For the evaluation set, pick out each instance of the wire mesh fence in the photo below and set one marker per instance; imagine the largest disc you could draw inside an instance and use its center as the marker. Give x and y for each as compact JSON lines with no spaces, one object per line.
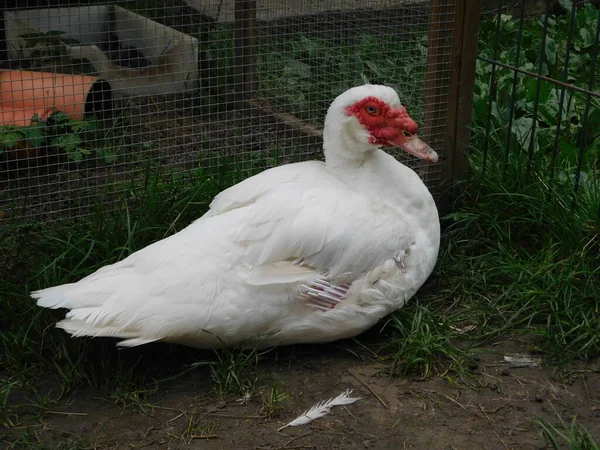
{"x":537,"y":104}
{"x":94,"y":94}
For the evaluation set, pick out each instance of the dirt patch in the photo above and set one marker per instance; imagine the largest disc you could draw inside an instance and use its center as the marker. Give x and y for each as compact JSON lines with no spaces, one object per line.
{"x":496,"y":408}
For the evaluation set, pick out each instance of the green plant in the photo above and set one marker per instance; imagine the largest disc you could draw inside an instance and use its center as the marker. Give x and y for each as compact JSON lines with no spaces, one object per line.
{"x":234,"y":372}
{"x":42,"y":49}
{"x":129,"y":393}
{"x":543,"y":110}
{"x":298,"y":70}
{"x":15,"y":136}
{"x":421,"y":343}
{"x":573,"y":437}
{"x":34,"y":256}
{"x":522,"y":249}
{"x":272,"y":400}
{"x":66,"y":135}
{"x":6,"y":387}
{"x":59,"y":132}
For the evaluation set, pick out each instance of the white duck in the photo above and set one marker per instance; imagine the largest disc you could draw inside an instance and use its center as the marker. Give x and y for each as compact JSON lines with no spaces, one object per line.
{"x":305,"y":252}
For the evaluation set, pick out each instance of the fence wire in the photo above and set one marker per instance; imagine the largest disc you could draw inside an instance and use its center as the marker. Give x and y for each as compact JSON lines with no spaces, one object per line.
{"x":537,"y":104}
{"x":94,"y":94}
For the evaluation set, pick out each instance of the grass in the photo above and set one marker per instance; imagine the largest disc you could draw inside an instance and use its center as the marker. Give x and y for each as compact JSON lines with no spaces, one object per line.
{"x":272,"y":399}
{"x":234,"y":372}
{"x":568,"y":436}
{"x":422,"y":344}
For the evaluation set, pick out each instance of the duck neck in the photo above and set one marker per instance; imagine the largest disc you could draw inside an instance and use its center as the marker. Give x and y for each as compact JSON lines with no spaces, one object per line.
{"x":373,"y":171}
{"x":343,"y":154}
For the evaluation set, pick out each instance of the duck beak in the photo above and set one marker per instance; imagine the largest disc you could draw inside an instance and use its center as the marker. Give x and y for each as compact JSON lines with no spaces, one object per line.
{"x":415,"y":146}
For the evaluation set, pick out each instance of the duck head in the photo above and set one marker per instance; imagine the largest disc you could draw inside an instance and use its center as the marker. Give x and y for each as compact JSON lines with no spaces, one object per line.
{"x":368,"y":117}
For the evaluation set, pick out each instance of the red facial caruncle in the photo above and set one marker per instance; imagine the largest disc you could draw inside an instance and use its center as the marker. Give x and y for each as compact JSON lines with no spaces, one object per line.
{"x":389,"y":126}
{"x":383,"y":122}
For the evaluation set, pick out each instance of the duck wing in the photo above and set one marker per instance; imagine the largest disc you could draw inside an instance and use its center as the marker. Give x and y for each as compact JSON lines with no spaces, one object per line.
{"x":234,"y":273}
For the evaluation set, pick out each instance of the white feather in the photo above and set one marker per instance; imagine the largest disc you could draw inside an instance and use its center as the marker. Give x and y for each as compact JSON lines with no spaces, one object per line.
{"x":279,"y":273}
{"x":321,"y":409}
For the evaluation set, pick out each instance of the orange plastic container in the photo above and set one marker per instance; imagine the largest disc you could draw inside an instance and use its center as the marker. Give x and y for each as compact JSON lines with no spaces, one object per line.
{"x":24,"y":94}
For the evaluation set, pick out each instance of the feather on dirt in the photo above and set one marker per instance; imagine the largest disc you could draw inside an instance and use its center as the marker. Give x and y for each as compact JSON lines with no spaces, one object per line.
{"x":321,"y":409}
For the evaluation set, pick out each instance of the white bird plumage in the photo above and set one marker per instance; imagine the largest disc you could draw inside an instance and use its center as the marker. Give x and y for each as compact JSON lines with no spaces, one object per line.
{"x":321,"y":409}
{"x":305,"y":252}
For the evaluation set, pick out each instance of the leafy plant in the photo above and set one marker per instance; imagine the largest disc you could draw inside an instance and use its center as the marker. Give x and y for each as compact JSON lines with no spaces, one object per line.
{"x":66,"y":135}
{"x":42,"y":49}
{"x":6,"y":386}
{"x":544,"y":113}
{"x":522,"y":249}
{"x":14,"y":136}
{"x":58,"y":132}
{"x":300,"y":69}
{"x":305,"y":71}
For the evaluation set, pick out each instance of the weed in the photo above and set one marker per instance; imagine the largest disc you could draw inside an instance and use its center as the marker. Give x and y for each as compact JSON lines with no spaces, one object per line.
{"x":58,"y":133}
{"x":66,"y":135}
{"x":43,"y":402}
{"x":573,"y":437}
{"x":521,"y":256}
{"x":234,"y":372}
{"x":421,"y":343}
{"x":14,"y":136}
{"x":198,"y":430}
{"x":129,"y":394}
{"x":545,"y":115}
{"x":130,"y":386}
{"x":34,"y":257}
{"x":298,"y":69}
{"x":7,"y":418}
{"x":29,"y":439}
{"x":272,"y":400}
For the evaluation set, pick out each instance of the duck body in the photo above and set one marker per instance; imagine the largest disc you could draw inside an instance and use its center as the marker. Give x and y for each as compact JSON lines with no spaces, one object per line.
{"x":302,"y":253}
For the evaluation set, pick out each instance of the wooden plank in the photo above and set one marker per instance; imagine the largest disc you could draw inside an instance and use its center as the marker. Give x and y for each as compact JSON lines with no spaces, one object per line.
{"x":458,"y":91}
{"x":245,"y":49}
{"x":436,"y":81}
{"x":447,"y":169}
{"x":466,"y":64}
{"x":307,"y":135}
{"x":289,"y":120}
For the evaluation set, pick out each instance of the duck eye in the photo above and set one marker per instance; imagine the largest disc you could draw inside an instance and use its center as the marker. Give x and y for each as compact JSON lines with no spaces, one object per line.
{"x":372,"y":110}
{"x":406,"y":133}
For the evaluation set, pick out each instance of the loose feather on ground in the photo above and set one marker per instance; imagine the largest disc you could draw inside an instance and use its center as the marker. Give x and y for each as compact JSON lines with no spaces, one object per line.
{"x":321,"y":409}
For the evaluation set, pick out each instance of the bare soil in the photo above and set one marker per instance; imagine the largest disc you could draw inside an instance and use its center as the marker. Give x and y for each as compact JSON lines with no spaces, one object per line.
{"x":495,"y":408}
